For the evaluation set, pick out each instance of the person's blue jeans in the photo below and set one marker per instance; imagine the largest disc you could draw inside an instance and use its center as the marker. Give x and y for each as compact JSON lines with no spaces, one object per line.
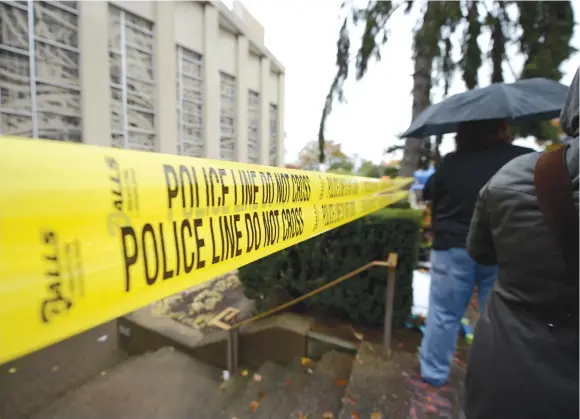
{"x":453,"y":277}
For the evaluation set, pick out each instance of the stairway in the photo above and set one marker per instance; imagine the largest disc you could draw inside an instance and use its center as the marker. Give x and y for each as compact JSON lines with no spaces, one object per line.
{"x":168,"y":384}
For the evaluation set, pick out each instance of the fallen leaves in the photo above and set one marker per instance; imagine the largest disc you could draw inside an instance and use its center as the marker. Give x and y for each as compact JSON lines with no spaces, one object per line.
{"x":254,"y":406}
{"x":303,"y":416}
{"x":244,"y":373}
{"x":12,"y":370}
{"x":55,"y":368}
{"x":354,"y":415}
{"x":347,"y":399}
{"x":357,"y":334}
{"x":341,"y":382}
{"x":257,"y":378}
{"x":328,"y":415}
{"x":305,"y":361}
{"x":288,"y":382}
{"x":376,"y":415}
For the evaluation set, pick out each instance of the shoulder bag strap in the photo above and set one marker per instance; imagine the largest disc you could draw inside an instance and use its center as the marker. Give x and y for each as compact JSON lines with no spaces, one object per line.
{"x":554,"y":192}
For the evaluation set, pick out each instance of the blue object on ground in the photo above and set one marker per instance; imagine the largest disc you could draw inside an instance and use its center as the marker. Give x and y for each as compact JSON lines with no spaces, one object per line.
{"x":453,"y":277}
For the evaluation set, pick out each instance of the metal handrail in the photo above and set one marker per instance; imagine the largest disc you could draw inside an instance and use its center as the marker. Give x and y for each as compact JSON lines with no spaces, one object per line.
{"x":391,"y":264}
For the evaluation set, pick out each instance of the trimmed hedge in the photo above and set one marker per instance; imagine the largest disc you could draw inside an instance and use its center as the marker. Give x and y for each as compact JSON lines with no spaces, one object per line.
{"x":295,"y":271}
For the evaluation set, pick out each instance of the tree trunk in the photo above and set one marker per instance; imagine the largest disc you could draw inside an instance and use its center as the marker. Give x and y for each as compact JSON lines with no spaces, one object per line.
{"x":423,"y":63}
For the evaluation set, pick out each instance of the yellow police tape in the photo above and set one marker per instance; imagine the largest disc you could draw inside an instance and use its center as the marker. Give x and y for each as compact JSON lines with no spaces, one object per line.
{"x":88,"y":234}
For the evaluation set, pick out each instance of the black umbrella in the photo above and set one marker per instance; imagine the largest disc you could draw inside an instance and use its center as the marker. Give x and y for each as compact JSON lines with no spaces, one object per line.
{"x":521,"y":102}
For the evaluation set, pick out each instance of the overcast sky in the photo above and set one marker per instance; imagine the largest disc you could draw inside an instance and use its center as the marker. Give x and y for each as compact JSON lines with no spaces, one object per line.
{"x":302,"y":34}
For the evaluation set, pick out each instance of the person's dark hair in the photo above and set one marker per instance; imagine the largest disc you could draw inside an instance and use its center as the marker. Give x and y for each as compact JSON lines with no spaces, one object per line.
{"x":475,"y":135}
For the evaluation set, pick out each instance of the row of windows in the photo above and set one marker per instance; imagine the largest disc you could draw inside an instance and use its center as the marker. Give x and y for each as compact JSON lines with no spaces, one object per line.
{"x":40,"y":89}
{"x":40,"y":93}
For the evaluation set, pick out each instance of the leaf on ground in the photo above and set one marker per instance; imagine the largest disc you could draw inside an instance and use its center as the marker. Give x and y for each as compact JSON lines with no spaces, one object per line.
{"x":354,"y":415}
{"x":309,"y":371}
{"x":254,"y":405}
{"x":347,"y":399}
{"x":257,"y":377}
{"x":244,"y":373}
{"x":288,"y":382}
{"x":341,"y":382}
{"x":11,"y":370}
{"x":376,"y":415}
{"x":261,"y":394}
{"x":400,"y":345}
{"x":303,"y":416}
{"x":305,"y":361}
{"x":55,"y":368}
{"x":328,"y":415}
{"x":357,"y":334}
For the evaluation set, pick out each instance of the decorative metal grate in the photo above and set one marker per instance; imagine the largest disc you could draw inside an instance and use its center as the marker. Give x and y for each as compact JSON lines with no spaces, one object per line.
{"x":254,"y":127}
{"x":40,"y":93}
{"x":227,"y":117}
{"x":132,"y":80}
{"x":273,"y":135}
{"x":190,"y":103}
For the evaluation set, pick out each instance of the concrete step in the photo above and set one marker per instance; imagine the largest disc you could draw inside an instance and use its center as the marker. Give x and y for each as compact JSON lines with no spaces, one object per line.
{"x":227,"y":392}
{"x":165,"y":384}
{"x":390,"y":388}
{"x":368,"y":387}
{"x":261,"y":395}
{"x":323,"y":393}
{"x":298,"y":378}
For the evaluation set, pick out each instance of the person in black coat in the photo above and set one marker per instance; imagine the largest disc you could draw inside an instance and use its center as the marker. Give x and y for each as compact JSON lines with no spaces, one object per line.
{"x":483,"y":147}
{"x":524,"y":359}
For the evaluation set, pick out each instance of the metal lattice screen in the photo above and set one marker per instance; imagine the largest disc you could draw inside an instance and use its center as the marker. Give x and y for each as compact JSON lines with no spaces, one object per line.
{"x":273,"y":135}
{"x":132,"y":81}
{"x":40,"y":93}
{"x":253,"y":127}
{"x":227,"y":117}
{"x":190,"y":103}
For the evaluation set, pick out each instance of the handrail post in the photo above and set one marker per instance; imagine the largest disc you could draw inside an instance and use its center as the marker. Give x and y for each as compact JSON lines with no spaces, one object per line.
{"x":233,"y":350}
{"x":392,"y":262}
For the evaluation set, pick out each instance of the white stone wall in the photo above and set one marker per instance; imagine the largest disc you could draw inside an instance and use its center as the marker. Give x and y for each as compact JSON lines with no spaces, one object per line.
{"x":187,"y":77}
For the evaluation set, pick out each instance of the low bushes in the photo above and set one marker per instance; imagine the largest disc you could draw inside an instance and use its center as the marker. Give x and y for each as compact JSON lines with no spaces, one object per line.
{"x":308,"y":265}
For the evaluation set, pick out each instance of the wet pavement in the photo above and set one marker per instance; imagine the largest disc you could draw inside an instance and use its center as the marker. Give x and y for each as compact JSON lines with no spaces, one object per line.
{"x":391,"y":389}
{"x":37,"y":380}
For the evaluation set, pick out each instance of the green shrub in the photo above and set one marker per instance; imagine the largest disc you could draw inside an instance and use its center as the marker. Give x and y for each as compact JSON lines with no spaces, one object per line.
{"x":295,"y":271}
{"x":404,"y":204}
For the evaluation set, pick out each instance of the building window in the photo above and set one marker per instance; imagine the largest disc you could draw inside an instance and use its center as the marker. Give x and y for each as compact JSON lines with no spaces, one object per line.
{"x":40,"y":93}
{"x":227,"y":117}
{"x":254,"y":127}
{"x":132,"y":81}
{"x":190,"y":103}
{"x":273,"y":135}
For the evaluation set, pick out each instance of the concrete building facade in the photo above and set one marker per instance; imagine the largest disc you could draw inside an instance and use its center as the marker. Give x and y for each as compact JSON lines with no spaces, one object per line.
{"x":179,"y":77}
